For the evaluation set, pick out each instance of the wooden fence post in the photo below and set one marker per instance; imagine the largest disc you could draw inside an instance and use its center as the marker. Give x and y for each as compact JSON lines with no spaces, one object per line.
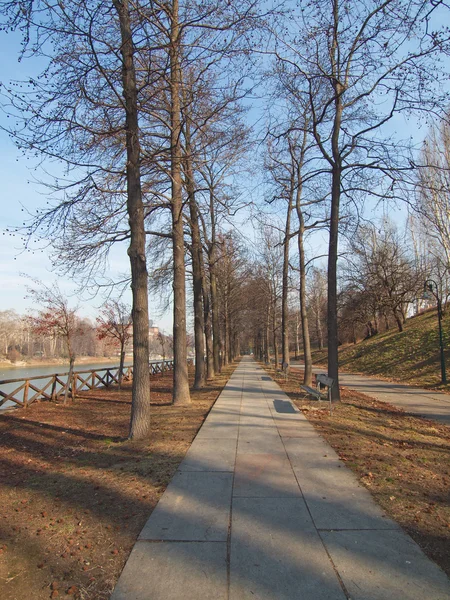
{"x":54,"y":388}
{"x":25,"y":393}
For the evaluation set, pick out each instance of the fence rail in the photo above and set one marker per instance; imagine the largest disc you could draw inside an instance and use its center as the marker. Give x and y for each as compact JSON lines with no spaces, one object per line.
{"x":51,"y":387}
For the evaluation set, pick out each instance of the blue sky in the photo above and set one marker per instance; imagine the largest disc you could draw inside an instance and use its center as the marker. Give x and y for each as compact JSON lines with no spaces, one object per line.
{"x":19,"y":193}
{"x":16,"y":193}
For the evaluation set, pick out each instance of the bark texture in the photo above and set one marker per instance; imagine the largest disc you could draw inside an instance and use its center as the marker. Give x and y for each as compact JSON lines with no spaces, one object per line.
{"x":140,"y":407}
{"x":181,"y":394}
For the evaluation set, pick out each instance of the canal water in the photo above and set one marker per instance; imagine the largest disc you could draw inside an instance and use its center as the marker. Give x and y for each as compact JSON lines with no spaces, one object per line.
{"x":29,"y":371}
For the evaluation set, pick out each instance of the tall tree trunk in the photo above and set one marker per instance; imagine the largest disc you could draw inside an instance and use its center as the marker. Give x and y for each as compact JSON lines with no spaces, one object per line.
{"x":274,"y":333}
{"x":215,"y":315}
{"x":336,"y":175}
{"x":319,"y":327}
{"x":333,"y":340}
{"x":275,"y":346}
{"x":285,"y":286}
{"x":181,"y":393}
{"x":122,"y":360}
{"x":307,"y":376}
{"x":69,"y":384}
{"x":212,"y":258}
{"x":398,"y":319}
{"x":225,"y":337}
{"x":208,"y":324}
{"x":140,"y":406}
{"x":197,"y":272}
{"x":267,"y":338}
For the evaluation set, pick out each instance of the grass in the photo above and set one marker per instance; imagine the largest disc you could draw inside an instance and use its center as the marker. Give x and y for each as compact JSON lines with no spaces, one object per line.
{"x":74,"y":493}
{"x":411,"y":356}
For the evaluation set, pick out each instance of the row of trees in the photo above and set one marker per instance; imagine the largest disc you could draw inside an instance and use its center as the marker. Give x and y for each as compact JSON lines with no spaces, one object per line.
{"x":381,"y":283}
{"x":142,"y":102}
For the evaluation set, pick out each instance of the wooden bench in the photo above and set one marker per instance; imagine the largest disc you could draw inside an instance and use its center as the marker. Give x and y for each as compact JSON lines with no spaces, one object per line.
{"x":312,"y":391}
{"x":322,"y":380}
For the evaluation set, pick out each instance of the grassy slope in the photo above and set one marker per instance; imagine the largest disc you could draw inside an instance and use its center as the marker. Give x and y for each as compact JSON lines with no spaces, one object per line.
{"x":411,"y":356}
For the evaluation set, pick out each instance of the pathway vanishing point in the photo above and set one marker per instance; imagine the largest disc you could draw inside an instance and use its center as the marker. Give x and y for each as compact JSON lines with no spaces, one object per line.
{"x":262,"y":508}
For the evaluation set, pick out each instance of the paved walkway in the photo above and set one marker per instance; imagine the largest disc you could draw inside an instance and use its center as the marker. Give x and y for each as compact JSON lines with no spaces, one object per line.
{"x":261,"y":508}
{"x":425,"y":403}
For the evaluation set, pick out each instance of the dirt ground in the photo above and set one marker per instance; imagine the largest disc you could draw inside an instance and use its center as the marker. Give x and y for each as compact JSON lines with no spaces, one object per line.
{"x":74,"y":493}
{"x":403,"y":460}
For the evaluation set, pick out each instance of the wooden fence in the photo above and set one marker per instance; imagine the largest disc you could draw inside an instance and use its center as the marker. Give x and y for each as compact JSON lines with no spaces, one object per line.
{"x":51,"y":387}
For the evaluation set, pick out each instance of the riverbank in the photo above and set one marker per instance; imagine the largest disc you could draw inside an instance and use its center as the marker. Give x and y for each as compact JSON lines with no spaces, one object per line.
{"x":48,"y":362}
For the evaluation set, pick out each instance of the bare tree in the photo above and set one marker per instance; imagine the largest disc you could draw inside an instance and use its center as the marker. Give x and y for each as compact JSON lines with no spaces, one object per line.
{"x":433,"y":188}
{"x":84,"y":111}
{"x":317,"y":302}
{"x":55,"y":318}
{"x":115,"y":323}
{"x":343,"y":57}
{"x":384,"y":274}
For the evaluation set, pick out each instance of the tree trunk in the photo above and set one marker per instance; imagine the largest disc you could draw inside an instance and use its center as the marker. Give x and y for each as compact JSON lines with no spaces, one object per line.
{"x":140,"y":406}
{"x":69,"y":384}
{"x":398,"y":319}
{"x":266,"y":338}
{"x":197,"y":272}
{"x":307,"y":376}
{"x":285,"y":286}
{"x":181,"y":393}
{"x":319,"y":327}
{"x":226,"y":330}
{"x":208,"y":325}
{"x":297,"y":344}
{"x":122,"y":360}
{"x":333,"y":341}
{"x":275,"y":348}
{"x":214,"y":300}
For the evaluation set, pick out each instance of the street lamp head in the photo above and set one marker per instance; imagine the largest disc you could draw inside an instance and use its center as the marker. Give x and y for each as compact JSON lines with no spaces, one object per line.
{"x":430,"y":288}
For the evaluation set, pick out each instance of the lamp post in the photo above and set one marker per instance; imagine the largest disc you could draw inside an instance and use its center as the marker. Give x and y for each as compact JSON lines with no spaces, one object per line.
{"x":431,"y":286}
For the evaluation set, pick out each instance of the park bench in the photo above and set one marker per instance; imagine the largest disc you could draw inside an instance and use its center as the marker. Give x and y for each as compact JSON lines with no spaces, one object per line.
{"x":321,"y":381}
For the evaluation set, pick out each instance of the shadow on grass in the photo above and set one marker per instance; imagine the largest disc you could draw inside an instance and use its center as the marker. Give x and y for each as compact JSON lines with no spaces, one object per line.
{"x":75,"y":493}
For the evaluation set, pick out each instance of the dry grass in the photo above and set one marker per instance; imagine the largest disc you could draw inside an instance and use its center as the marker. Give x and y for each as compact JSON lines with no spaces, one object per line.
{"x":410,"y":357}
{"x":74,"y":493}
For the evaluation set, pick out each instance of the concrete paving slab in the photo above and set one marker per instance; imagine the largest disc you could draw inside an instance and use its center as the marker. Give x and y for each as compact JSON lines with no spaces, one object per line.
{"x":259,"y":440}
{"x":174,"y":571}
{"x":279,"y":548}
{"x":332,"y":492}
{"x":312,"y":448}
{"x":294,"y":427}
{"x":264,"y":475}
{"x":251,"y":417}
{"x":293,"y":431}
{"x":210,"y":455}
{"x":342,"y":508}
{"x":222,"y":417}
{"x":217,"y":430}
{"x":194,"y":507}
{"x":385,"y":565}
{"x":276,"y":554}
